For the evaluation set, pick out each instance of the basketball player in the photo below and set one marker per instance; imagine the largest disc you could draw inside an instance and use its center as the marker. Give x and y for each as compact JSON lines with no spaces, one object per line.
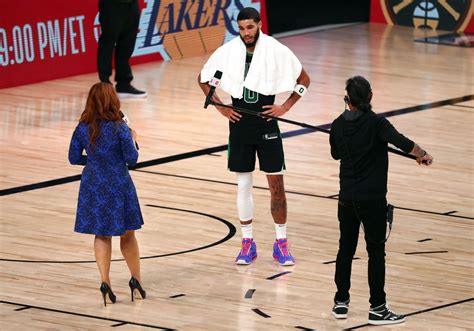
{"x":359,"y":139}
{"x":245,"y":61}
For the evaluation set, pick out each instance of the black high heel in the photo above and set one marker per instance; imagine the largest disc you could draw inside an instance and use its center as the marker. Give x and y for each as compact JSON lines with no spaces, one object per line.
{"x":107,"y":293}
{"x":136,"y":289}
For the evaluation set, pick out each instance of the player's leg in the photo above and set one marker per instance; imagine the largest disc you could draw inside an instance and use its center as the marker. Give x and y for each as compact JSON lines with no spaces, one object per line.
{"x":272,"y":162}
{"x":241,"y":160}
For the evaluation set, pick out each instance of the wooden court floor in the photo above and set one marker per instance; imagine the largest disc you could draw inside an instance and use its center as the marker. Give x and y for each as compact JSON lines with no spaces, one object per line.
{"x":49,"y":280}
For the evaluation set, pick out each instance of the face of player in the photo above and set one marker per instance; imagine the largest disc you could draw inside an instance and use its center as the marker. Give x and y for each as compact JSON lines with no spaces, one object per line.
{"x":249,"y":31}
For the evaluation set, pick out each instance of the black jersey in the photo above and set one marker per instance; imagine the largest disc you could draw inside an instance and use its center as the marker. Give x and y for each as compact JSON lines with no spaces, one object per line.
{"x":251,"y":128}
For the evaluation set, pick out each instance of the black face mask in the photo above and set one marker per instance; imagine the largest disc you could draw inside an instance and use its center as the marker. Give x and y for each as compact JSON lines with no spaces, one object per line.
{"x":252,"y":44}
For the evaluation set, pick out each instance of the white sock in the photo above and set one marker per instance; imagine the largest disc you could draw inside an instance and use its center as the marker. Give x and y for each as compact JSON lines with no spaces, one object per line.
{"x":280,"y":230}
{"x":246,"y":230}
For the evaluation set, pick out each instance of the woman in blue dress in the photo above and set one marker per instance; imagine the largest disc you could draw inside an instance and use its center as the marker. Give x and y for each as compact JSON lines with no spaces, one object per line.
{"x":108,"y":203}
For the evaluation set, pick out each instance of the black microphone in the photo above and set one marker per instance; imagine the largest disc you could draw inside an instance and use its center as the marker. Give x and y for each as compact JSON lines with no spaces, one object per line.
{"x":214,"y":82}
{"x":127,"y":121}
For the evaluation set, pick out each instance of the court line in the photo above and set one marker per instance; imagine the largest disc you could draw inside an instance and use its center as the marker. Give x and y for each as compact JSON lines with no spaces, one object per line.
{"x":464,"y":106}
{"x":451,"y":212}
{"x":177,"y":296}
{"x":423,"y":240}
{"x":261,"y":313}
{"x":216,"y":149}
{"x":279,"y":275}
{"x":334,"y":261}
{"x":230,"y":234}
{"x":429,"y":252}
{"x":249,"y":293}
{"x":85,"y":315}
{"x":330,"y":197}
{"x":420,"y":311}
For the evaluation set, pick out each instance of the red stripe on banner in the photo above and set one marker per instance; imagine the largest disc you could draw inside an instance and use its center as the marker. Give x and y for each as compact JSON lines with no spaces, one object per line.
{"x":51,"y":39}
{"x":470,"y":26}
{"x":376,"y":13}
{"x":263,"y":15}
{"x":39,"y":43}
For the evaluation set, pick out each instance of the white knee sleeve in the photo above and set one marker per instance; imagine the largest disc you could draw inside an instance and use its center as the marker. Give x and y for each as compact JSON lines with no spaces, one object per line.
{"x":244,"y":195}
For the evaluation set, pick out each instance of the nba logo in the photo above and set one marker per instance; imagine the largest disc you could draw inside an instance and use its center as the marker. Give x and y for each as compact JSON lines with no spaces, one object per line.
{"x":214,"y":82}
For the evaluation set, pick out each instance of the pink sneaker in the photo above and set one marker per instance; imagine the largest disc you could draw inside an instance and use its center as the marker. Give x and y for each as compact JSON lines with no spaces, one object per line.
{"x":248,"y":253}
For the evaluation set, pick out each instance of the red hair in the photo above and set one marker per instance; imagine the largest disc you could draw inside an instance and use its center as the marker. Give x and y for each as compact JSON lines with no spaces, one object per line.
{"x":102,"y":104}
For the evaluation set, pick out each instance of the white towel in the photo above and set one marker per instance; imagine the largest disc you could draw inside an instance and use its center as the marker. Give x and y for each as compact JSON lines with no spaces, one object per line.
{"x":274,"y":68}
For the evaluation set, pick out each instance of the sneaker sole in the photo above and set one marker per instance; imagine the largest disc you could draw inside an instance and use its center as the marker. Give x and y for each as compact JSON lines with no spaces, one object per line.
{"x":243,"y":262}
{"x":131,"y":96}
{"x":339,"y":316}
{"x":286,"y":263}
{"x":386,"y":322}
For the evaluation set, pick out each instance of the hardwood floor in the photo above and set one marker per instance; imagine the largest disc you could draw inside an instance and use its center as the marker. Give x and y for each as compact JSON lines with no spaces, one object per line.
{"x":188,"y":243}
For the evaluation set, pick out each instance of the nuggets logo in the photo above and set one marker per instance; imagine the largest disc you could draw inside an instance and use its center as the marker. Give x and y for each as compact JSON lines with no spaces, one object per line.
{"x":450,"y":15}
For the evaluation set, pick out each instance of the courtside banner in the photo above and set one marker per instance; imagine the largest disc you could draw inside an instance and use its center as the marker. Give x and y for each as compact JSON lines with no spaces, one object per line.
{"x":445,"y":15}
{"x":49,"y":39}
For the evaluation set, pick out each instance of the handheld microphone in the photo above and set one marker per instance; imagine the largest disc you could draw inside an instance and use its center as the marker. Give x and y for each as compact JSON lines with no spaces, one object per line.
{"x":127,"y":121}
{"x":214,"y":82}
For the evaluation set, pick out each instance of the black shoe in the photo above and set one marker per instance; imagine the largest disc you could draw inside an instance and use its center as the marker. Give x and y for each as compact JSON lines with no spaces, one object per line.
{"x":136,"y":289}
{"x":340,"y":309}
{"x":128,"y":91}
{"x":382,"y":315}
{"x":107,"y":294}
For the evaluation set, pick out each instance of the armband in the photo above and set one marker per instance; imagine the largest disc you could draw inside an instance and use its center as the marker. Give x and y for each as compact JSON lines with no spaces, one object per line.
{"x":300,"y":89}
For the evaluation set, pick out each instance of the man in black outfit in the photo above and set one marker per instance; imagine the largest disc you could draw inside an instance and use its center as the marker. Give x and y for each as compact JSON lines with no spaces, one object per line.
{"x":119,"y":21}
{"x":359,"y":139}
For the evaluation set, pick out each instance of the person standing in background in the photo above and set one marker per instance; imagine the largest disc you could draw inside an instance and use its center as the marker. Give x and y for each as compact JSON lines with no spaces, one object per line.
{"x":119,"y":20}
{"x":108,"y":203}
{"x":359,"y":140}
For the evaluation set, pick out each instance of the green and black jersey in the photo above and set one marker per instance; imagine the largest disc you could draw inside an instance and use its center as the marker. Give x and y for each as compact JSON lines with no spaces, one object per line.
{"x":251,"y":128}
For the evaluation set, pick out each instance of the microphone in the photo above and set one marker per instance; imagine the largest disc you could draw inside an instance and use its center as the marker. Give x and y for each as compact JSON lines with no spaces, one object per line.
{"x":214,"y":82}
{"x":127,"y":121}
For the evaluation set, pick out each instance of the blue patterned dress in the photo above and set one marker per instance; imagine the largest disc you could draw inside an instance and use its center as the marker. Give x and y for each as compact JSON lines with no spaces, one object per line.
{"x":108,"y":203}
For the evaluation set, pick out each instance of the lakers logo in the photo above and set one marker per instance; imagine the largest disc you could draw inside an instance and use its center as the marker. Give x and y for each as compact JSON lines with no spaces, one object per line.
{"x":450,"y":15}
{"x":190,"y":27}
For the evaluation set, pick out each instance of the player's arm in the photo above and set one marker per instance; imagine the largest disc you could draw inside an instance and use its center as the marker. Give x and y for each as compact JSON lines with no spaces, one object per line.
{"x":232,"y":115}
{"x":302,"y":84}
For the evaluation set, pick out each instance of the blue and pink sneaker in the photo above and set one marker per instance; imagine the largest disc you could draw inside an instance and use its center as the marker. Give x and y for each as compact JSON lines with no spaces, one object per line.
{"x":281,"y":252}
{"x":248,"y":253}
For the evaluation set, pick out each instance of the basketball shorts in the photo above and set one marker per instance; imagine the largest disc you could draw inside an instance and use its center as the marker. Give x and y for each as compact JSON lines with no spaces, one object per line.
{"x":269,"y":149}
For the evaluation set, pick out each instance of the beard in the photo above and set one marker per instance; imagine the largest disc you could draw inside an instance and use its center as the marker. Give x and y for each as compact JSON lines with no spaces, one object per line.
{"x":254,"y":42}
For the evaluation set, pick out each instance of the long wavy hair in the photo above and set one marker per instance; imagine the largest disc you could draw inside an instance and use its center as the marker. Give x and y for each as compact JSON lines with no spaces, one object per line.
{"x":102,"y":104}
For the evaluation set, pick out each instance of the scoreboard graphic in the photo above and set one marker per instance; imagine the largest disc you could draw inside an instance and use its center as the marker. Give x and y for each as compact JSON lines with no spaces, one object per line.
{"x":43,"y":40}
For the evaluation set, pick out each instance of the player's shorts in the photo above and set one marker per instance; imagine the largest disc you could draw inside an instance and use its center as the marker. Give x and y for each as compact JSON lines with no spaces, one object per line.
{"x":269,"y":149}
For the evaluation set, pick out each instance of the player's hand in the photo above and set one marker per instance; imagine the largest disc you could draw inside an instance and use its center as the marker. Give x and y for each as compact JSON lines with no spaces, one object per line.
{"x":425,"y":160}
{"x":231,"y":114}
{"x":274,"y":110}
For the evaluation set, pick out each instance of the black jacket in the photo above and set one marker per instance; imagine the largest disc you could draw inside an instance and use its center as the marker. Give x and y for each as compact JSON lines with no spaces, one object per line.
{"x":359,"y":139}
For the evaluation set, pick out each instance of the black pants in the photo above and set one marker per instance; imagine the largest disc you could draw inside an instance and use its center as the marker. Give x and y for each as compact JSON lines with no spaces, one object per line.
{"x":119,"y":24}
{"x":373,"y":215}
